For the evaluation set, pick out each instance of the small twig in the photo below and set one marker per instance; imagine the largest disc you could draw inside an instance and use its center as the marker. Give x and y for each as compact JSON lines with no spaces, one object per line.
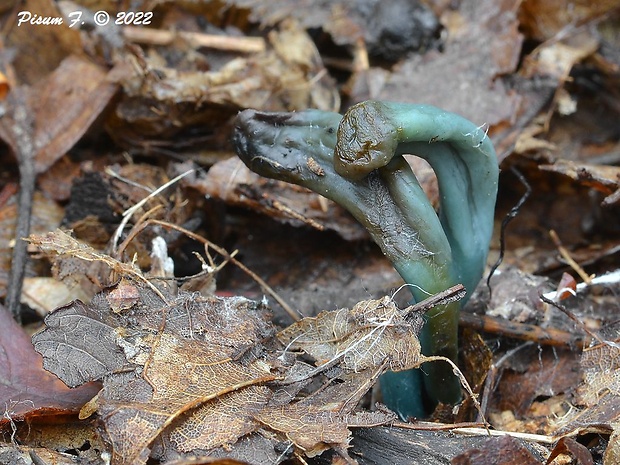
{"x":206,"y":269}
{"x":127,"y":214}
{"x":441,"y":298}
{"x":577,"y":321}
{"x":429,"y":426}
{"x":197,"y":39}
{"x":135,"y":230}
{"x":459,"y":374}
{"x":36,"y":460}
{"x":526,"y":436}
{"x":283,"y":208}
{"x":522,"y":331}
{"x":110,"y":172}
{"x":569,"y":260}
{"x":22,"y":128}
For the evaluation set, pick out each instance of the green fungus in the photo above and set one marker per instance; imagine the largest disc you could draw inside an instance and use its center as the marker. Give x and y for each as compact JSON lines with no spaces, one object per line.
{"x":356,"y":160}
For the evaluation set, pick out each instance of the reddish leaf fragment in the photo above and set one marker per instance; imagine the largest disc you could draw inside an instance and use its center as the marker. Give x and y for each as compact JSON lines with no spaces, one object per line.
{"x":4,"y":86}
{"x":73,"y":83}
{"x":27,"y":389}
{"x":605,"y":179}
{"x":124,"y":296}
{"x":565,"y":286}
{"x":504,"y":450}
{"x":579,"y":452}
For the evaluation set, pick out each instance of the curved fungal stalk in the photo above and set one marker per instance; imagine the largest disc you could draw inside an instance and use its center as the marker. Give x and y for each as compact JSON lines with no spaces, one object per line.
{"x":356,"y":160}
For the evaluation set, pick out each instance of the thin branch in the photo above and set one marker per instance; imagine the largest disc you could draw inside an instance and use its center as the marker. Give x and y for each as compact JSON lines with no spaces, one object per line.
{"x":127,"y":214}
{"x":24,"y":152}
{"x":163,"y":37}
{"x":566,"y":255}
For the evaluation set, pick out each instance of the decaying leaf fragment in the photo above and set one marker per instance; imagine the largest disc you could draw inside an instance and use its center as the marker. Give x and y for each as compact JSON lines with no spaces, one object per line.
{"x":372,"y":333}
{"x":60,"y":245}
{"x":599,"y":393}
{"x":162,"y":362}
{"x":184,"y":374}
{"x":601,"y":366}
{"x":605,"y":179}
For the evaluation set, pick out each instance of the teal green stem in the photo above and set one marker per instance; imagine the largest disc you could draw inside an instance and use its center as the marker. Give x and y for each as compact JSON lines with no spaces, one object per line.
{"x":356,"y":161}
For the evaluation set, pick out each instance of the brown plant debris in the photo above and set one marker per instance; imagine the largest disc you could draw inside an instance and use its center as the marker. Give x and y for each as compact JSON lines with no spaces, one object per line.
{"x":183,"y":372}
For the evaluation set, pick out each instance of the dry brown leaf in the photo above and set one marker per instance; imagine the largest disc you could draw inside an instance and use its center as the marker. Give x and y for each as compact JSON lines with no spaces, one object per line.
{"x":601,"y":372}
{"x":544,"y":19}
{"x":39,"y":49}
{"x":605,"y":179}
{"x":312,"y":429}
{"x":569,"y":446}
{"x":162,"y":366}
{"x":504,"y":450}
{"x":463,"y":78}
{"x":162,"y":102}
{"x":612,"y":453}
{"x":231,"y":181}
{"x":45,"y":294}
{"x":27,"y":391}
{"x":389,"y":29}
{"x":182,"y":372}
{"x":71,"y":254}
{"x":372,"y":333}
{"x":599,"y":392}
{"x":185,"y":375}
{"x":74,"y":82}
{"x":51,"y":133}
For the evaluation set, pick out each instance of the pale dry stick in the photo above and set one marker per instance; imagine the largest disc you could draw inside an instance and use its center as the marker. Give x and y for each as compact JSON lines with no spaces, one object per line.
{"x":127,"y":214}
{"x":163,"y":37}
{"x":136,"y":229}
{"x":110,"y":172}
{"x":294,"y":315}
{"x":459,"y":374}
{"x":283,"y":208}
{"x":430,"y":426}
{"x":571,"y":262}
{"x":539,"y":438}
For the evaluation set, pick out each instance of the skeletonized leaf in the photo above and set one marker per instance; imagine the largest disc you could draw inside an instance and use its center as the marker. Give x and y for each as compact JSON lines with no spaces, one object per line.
{"x":79,"y":344}
{"x":367,"y":335}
